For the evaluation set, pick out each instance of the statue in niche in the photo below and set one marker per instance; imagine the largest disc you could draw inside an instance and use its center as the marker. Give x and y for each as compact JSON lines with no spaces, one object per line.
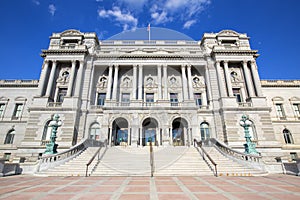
{"x":234,"y":77}
{"x":126,"y":82}
{"x":102,"y":82}
{"x":149,"y":82}
{"x":173,"y":81}
{"x":198,"y":82}
{"x":64,"y":76}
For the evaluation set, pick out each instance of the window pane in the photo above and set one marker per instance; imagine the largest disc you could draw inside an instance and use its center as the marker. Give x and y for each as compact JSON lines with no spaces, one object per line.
{"x":125,"y":97}
{"x":279,"y":110}
{"x":149,"y":97}
{"x":2,"y":106}
{"x":62,"y":92}
{"x":237,"y":94}
{"x":297,"y":109}
{"x":197,"y":97}
{"x":18,"y":110}
{"x":101,"y":99}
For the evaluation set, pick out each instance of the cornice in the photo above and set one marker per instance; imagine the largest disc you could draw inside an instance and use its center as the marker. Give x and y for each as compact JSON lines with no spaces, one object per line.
{"x":235,"y":52}
{"x":280,"y":83}
{"x":64,"y":52}
{"x":19,"y":83}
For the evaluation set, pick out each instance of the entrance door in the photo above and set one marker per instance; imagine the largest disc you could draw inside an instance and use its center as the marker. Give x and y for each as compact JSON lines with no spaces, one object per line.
{"x":120,"y":132}
{"x":150,"y":126}
{"x":150,"y":136}
{"x":122,"y":136}
{"x":179,"y":132}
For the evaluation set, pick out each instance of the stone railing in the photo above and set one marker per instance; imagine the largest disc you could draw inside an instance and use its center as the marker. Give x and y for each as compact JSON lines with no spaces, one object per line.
{"x":50,"y":161}
{"x":245,"y":104}
{"x":228,"y":152}
{"x":54,"y":104}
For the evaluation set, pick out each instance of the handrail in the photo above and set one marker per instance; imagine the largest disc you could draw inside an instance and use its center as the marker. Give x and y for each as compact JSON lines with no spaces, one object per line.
{"x":151,"y":159}
{"x":92,"y":158}
{"x":236,"y":154}
{"x":199,"y":144}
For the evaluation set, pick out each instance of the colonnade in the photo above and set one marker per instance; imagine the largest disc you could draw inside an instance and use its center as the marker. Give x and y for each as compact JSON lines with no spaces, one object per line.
{"x":46,"y":86}
{"x":162,"y":83}
{"x":250,"y":75}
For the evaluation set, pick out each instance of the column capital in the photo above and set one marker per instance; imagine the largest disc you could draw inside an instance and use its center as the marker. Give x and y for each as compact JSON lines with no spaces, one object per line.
{"x":164,"y":65}
{"x":253,"y":61}
{"x":116,"y":66}
{"x":53,"y":61}
{"x":225,"y":61}
{"x":81,"y":62}
{"x":218,"y":61}
{"x":135,"y":65}
{"x":183,"y":66}
{"x":188,"y":66}
{"x":245,"y":61}
{"x":46,"y":61}
{"x":73,"y":61}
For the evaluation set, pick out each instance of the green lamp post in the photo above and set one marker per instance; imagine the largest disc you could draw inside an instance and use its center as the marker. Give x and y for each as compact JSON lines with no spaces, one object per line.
{"x":51,"y":148}
{"x":249,"y":145}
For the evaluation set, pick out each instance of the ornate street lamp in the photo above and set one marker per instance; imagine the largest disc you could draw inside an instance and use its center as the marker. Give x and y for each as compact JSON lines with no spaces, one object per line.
{"x":249,"y":146}
{"x":51,"y":148}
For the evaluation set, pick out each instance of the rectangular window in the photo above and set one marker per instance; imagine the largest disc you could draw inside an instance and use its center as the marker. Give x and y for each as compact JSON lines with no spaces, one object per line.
{"x":125,"y":99}
{"x":197,"y":97}
{"x":7,"y":156}
{"x":296,"y":108}
{"x":237,"y":94}
{"x":18,"y":110}
{"x":2,"y":107}
{"x":279,"y":110}
{"x":294,"y":155}
{"x":62,"y":92}
{"x":174,"y":99}
{"x":149,"y":98}
{"x":101,"y":99}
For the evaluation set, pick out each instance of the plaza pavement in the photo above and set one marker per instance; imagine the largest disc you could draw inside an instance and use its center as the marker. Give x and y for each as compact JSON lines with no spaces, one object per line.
{"x":131,"y":188}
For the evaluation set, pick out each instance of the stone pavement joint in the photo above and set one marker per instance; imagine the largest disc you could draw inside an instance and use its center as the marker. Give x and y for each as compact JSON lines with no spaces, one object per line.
{"x":144,"y":188}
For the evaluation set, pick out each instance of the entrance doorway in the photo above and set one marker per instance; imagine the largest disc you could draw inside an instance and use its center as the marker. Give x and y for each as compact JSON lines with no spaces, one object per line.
{"x":179,"y":131}
{"x":120,"y":135}
{"x":150,"y":127}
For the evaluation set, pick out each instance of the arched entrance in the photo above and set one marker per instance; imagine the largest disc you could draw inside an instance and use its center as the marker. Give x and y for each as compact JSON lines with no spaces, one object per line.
{"x":179,"y":132}
{"x":120,"y":132}
{"x":150,"y":131}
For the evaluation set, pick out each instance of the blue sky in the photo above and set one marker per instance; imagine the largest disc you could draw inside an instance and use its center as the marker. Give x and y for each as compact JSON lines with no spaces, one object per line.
{"x":272,"y":25}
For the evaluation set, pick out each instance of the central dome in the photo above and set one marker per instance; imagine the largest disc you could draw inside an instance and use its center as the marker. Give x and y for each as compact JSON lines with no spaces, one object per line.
{"x":155,"y":34}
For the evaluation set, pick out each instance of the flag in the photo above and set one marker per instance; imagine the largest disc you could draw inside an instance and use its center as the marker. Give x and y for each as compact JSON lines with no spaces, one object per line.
{"x":148,"y":28}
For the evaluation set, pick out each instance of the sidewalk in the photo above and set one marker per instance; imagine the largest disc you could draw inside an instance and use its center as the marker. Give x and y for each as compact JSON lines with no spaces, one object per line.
{"x":131,"y":188}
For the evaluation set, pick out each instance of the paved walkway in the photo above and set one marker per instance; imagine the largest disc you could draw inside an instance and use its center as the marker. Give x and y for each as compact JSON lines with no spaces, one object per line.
{"x":121,"y":188}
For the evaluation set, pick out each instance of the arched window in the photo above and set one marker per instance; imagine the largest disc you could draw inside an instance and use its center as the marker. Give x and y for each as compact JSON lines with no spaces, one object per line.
{"x":9,"y":139}
{"x":95,"y":131}
{"x":204,"y":130}
{"x":288,"y":136}
{"x":47,"y":132}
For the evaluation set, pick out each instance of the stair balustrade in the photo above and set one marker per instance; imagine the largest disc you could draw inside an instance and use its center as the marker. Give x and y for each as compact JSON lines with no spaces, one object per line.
{"x":50,"y":161}
{"x":225,"y":150}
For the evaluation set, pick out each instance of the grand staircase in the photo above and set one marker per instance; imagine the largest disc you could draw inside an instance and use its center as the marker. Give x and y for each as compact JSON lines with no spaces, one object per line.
{"x":166,"y":161}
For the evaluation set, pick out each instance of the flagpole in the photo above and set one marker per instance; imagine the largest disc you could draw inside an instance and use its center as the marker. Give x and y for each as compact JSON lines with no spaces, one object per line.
{"x":149,"y":34}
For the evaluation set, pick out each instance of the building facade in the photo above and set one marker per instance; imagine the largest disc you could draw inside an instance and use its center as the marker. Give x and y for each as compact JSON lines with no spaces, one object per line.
{"x":136,"y":92}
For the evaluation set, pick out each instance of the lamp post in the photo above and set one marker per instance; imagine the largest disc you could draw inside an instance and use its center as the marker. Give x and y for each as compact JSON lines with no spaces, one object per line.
{"x":249,"y":145}
{"x":51,"y":148}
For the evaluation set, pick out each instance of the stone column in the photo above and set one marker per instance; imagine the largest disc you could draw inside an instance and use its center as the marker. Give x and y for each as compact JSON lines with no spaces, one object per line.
{"x":79,"y":79}
{"x":189,"y":73}
{"x":71,"y":81}
{"x":115,"y":86}
{"x":165,"y":82}
{"x":248,"y":79}
{"x":159,"y":81}
{"x":256,"y":78}
{"x":134,"y":82}
{"x":51,"y":79}
{"x":43,"y":78}
{"x":220,"y":80}
{"x":184,"y":83}
{"x":207,"y":83}
{"x":110,"y":135}
{"x":228,"y":79}
{"x":108,"y":92}
{"x":204,"y":99}
{"x":141,"y":83}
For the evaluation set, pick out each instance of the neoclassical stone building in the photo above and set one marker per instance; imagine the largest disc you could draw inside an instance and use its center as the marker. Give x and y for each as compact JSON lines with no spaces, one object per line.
{"x":168,"y":92}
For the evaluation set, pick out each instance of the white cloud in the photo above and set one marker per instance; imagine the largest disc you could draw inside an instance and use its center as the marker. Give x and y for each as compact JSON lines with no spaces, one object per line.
{"x":36,"y":2}
{"x":189,"y":23}
{"x":127,"y":20}
{"x":161,"y":18}
{"x":52,"y":9}
{"x":133,"y":5}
